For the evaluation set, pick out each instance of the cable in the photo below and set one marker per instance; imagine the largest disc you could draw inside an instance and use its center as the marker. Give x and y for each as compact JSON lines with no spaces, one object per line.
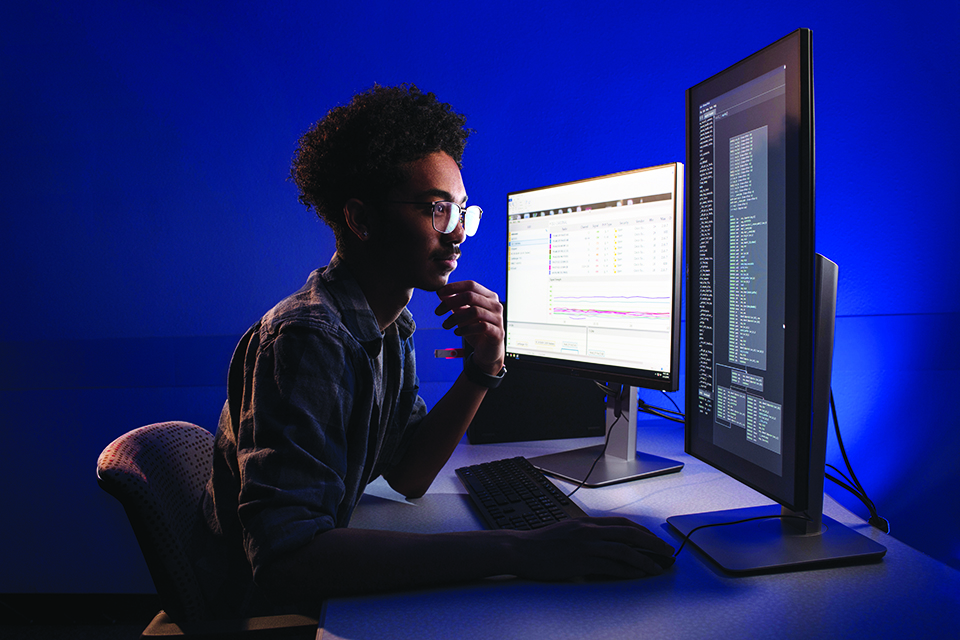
{"x":675,"y":405}
{"x":660,"y":412}
{"x":840,"y":473}
{"x":686,"y":538}
{"x":641,"y":406}
{"x":606,"y":441}
{"x":847,"y":484}
{"x":602,"y":452}
{"x":843,"y":485}
{"x":645,"y":405}
{"x":852,"y":484}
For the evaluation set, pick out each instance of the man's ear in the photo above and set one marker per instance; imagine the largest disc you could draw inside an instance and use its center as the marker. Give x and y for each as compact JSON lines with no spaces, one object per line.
{"x":358,"y":219}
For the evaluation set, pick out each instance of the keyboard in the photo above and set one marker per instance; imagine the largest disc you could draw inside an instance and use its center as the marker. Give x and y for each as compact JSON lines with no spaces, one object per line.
{"x":513,"y":494}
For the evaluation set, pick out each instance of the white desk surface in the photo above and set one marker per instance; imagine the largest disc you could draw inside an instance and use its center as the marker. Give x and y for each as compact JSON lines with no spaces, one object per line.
{"x":906,"y":595}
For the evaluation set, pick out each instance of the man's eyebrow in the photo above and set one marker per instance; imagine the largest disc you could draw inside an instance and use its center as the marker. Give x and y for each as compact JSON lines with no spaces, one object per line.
{"x":446,"y":196}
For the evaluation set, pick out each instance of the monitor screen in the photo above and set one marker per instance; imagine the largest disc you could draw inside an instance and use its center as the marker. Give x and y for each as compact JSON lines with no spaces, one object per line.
{"x":593,"y":277}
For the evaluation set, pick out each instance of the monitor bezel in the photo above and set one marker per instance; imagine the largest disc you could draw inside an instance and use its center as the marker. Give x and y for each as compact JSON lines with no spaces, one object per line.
{"x":791,"y":488}
{"x":607,"y":373}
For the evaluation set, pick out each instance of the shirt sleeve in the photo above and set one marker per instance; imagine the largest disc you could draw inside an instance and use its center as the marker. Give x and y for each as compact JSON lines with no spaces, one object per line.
{"x":410,"y":412}
{"x":299,"y":426}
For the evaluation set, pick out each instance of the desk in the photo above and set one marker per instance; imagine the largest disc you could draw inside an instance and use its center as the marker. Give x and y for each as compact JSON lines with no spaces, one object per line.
{"x":906,"y":595}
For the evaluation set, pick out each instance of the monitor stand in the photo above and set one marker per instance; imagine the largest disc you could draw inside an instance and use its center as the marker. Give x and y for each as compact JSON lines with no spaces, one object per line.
{"x":620,"y":463}
{"x":784,"y":540}
{"x":775,"y":543}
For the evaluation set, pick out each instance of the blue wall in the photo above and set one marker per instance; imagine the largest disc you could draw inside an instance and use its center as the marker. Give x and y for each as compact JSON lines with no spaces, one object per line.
{"x":147,"y":220}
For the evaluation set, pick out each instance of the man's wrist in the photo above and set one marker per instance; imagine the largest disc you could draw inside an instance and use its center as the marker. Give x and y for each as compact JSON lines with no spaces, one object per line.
{"x":478,"y":376}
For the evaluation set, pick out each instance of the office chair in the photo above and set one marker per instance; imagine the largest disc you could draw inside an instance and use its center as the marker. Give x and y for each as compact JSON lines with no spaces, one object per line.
{"x":158,"y":473}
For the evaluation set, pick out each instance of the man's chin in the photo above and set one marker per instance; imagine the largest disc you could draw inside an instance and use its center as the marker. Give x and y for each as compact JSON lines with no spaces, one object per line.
{"x":437,"y":272}
{"x":435,"y":283}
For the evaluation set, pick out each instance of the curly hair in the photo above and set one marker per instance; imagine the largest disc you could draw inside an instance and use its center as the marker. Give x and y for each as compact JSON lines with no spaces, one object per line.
{"x":359,"y":150}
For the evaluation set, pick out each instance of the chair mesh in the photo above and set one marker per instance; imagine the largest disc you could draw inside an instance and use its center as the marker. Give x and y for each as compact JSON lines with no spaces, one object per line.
{"x":158,"y":473}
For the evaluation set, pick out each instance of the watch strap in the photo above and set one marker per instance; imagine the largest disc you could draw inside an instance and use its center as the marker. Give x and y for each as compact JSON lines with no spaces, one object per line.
{"x":480,"y":377}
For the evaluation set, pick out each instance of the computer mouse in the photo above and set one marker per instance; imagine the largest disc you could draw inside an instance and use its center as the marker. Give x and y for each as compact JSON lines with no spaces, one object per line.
{"x":665,"y":560}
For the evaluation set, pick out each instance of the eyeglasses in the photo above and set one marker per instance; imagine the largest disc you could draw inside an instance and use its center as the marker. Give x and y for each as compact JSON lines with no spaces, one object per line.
{"x":446,"y":215}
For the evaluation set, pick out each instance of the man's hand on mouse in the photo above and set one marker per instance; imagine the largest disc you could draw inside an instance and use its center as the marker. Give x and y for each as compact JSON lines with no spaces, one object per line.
{"x":611,"y":547}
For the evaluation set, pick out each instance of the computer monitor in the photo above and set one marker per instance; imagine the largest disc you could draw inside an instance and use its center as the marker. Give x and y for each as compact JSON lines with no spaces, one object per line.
{"x":593,"y":290}
{"x":761,"y":310}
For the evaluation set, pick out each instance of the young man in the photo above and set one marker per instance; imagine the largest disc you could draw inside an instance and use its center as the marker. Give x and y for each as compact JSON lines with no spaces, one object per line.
{"x":322,"y":393}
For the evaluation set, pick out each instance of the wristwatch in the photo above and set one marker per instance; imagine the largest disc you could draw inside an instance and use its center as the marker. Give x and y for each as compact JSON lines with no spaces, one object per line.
{"x":480,"y":377}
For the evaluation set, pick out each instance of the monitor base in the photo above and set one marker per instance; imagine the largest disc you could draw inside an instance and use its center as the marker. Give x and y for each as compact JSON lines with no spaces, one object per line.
{"x":574,"y":466}
{"x":774,"y":545}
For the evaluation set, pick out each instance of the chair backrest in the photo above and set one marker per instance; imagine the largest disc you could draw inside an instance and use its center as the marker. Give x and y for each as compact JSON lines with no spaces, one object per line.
{"x":158,"y":473}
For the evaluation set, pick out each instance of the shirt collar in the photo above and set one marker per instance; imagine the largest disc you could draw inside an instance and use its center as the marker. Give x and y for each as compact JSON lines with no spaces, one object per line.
{"x":355,"y":311}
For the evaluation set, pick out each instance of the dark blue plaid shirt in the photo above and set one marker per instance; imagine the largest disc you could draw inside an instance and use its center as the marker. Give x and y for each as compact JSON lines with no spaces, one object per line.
{"x":319,"y":404}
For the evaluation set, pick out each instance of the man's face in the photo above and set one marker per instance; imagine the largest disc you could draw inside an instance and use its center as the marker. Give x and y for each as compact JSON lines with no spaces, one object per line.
{"x":415,"y":254}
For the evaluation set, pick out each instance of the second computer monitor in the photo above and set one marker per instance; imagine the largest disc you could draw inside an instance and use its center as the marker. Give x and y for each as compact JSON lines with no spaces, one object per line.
{"x":593,"y":290}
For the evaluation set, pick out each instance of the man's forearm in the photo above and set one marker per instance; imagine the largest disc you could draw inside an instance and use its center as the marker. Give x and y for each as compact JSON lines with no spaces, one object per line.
{"x":343,"y":562}
{"x":436,"y":438}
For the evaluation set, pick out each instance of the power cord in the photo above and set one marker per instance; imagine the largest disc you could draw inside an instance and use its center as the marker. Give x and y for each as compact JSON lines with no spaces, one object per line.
{"x":660,"y":412}
{"x":852,"y":484}
{"x":619,"y":414}
{"x":686,"y":538}
{"x":666,"y":414}
{"x":675,"y":405}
